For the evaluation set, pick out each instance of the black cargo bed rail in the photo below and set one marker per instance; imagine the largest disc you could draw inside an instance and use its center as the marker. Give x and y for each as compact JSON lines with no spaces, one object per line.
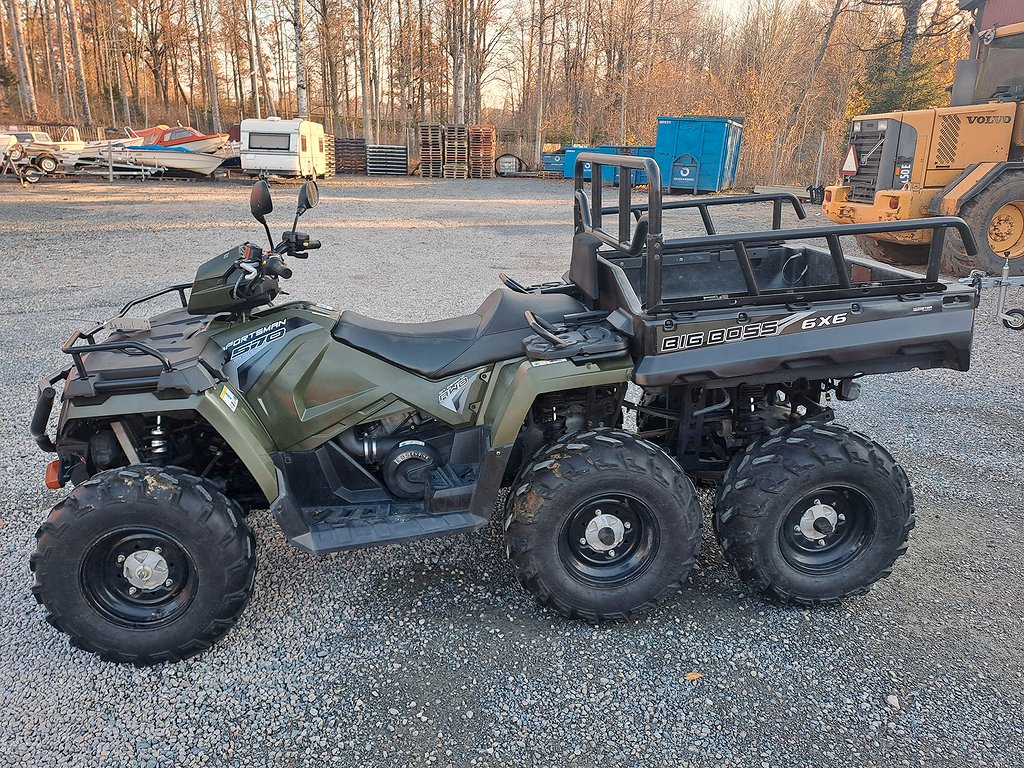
{"x":648,"y":241}
{"x":702,"y":204}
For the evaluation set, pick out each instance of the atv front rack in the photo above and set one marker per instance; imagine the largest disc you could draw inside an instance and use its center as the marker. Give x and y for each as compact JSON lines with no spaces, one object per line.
{"x":71,"y":346}
{"x":646,"y":241}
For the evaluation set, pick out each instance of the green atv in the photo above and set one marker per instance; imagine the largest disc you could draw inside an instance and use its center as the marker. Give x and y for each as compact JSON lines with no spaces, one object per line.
{"x":590,"y":399}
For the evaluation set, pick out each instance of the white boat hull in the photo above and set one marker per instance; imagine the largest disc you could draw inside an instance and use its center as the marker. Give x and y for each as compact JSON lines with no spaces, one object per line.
{"x":193,"y":162}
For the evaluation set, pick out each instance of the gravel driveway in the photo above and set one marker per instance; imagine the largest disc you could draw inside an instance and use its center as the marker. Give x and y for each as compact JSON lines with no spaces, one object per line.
{"x":428,"y":653}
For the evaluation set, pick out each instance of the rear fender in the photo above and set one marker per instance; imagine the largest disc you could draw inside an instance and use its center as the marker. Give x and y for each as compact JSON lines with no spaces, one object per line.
{"x":517,"y":384}
{"x":223,"y":409}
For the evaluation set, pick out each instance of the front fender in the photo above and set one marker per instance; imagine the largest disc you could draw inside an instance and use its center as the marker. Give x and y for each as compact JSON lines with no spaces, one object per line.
{"x":228,"y":414}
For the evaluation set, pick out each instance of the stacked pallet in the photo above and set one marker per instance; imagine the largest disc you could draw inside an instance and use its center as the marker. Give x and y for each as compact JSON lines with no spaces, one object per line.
{"x":482,"y":141}
{"x":332,"y":157}
{"x":431,"y":150}
{"x":456,"y":152}
{"x":387,"y":160}
{"x":350,"y":156}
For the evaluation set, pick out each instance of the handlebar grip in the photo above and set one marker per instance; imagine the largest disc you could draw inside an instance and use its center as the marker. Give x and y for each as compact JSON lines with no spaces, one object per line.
{"x":311,"y":245}
{"x":275,"y":267}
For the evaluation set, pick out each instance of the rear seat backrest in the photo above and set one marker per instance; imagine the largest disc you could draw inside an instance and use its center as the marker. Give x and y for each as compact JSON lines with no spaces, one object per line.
{"x":583,"y":267}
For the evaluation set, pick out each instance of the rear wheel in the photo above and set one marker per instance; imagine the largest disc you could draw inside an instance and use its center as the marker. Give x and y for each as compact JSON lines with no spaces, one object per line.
{"x":897,"y":254}
{"x":814,"y":513}
{"x":144,"y":565}
{"x":603,"y":526}
{"x":996,"y":217}
{"x":47,"y":163}
{"x":17,"y":153}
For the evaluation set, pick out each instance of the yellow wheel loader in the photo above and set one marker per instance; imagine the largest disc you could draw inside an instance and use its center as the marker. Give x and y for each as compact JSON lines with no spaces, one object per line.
{"x":964,"y":160}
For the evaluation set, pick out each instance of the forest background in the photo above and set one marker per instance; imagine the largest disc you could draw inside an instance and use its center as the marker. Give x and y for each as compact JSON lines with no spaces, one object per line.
{"x":542,"y":71}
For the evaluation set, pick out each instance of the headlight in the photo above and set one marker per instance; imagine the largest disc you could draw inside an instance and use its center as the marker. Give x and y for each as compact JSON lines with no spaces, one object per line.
{"x":882,"y":124}
{"x":856,"y":127}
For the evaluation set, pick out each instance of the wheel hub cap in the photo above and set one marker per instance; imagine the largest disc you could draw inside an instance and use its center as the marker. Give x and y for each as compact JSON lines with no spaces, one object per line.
{"x":604,"y":533}
{"x":819,"y":521}
{"x":145,"y":569}
{"x":1006,"y":230}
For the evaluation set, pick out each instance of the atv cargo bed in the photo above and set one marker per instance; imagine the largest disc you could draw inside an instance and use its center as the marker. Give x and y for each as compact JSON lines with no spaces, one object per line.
{"x":760,"y":307}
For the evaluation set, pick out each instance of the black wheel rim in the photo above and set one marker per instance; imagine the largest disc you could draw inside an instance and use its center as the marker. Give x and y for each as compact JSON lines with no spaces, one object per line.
{"x":843,"y":526}
{"x":108,"y":590}
{"x":614,"y":554}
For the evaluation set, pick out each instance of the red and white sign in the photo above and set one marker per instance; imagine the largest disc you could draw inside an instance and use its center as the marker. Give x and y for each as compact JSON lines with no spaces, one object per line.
{"x":851,"y":164}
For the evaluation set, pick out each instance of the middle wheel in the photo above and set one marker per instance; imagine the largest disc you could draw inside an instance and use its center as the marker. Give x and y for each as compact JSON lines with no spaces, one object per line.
{"x":602,"y":526}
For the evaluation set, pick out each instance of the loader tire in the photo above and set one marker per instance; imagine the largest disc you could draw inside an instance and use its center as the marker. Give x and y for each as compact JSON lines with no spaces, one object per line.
{"x":602,"y":526}
{"x":814,"y":513}
{"x":144,"y":565}
{"x":996,"y":217}
{"x":896,"y":254}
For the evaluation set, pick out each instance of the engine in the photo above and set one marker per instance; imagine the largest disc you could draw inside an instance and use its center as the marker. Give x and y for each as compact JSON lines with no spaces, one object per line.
{"x":404,"y":449}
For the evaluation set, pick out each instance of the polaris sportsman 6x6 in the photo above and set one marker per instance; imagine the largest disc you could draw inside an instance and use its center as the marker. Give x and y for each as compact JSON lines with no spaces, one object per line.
{"x":593,"y":400}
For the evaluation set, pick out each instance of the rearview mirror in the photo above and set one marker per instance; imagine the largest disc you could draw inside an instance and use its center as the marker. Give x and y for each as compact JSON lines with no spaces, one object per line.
{"x":260,"y":202}
{"x":309,"y":196}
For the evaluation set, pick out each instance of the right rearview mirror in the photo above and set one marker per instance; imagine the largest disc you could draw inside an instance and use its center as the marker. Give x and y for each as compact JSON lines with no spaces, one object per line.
{"x":309,"y":196}
{"x":260,"y":202}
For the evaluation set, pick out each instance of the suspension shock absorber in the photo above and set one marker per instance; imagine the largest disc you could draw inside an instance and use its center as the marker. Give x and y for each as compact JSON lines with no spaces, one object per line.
{"x":159,"y":445}
{"x":751,"y":412}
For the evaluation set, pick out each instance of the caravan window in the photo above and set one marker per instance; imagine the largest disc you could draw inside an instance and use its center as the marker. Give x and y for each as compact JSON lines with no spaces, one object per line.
{"x":281,"y":141}
{"x":303,"y":144}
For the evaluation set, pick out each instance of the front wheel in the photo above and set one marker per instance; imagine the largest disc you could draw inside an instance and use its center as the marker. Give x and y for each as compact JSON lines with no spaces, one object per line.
{"x":144,"y":565}
{"x":1014,"y":319}
{"x":814,"y":513}
{"x":603,"y":526}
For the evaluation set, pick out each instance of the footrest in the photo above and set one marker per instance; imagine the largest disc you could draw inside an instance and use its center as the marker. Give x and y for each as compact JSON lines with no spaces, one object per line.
{"x":358,"y":526}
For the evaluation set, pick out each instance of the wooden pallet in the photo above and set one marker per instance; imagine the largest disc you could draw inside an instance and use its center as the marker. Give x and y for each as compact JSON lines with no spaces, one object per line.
{"x":455,"y":171}
{"x":431,"y":150}
{"x":482,"y":145}
{"x":350,"y":156}
{"x":330,"y":151}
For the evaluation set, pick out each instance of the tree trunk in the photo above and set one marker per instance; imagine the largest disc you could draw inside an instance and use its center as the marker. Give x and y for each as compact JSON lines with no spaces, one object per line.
{"x":250,"y":39}
{"x":76,"y":53}
{"x":69,"y":105}
{"x":119,"y":63}
{"x":364,"y":102}
{"x":211,"y":67}
{"x":300,"y":67}
{"x":798,"y":102}
{"x":538,"y":142}
{"x":26,"y":89}
{"x":908,"y":40}
{"x":458,"y":52}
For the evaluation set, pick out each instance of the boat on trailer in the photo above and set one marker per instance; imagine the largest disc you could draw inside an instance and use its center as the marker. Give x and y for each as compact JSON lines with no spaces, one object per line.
{"x":183,"y":137}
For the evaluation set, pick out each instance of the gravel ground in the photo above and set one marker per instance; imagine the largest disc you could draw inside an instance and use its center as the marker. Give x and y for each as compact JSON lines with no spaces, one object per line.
{"x":428,"y":653}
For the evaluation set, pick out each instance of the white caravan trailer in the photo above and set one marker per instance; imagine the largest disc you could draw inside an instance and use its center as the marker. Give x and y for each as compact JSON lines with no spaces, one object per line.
{"x":283,"y":147}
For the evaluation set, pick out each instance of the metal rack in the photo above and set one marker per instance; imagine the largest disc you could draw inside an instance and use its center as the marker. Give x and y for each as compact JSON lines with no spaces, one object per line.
{"x":387,"y":160}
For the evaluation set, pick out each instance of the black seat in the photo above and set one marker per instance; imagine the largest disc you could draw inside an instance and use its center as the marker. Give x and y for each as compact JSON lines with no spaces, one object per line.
{"x":445,"y":347}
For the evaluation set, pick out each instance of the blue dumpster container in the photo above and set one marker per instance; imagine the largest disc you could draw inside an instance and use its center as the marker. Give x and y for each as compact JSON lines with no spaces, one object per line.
{"x":554,"y":162}
{"x":698,"y":154}
{"x":638,"y":177}
{"x":570,"y":160}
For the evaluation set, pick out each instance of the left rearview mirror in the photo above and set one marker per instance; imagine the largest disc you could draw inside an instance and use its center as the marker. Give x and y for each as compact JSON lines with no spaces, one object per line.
{"x":260,"y":202}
